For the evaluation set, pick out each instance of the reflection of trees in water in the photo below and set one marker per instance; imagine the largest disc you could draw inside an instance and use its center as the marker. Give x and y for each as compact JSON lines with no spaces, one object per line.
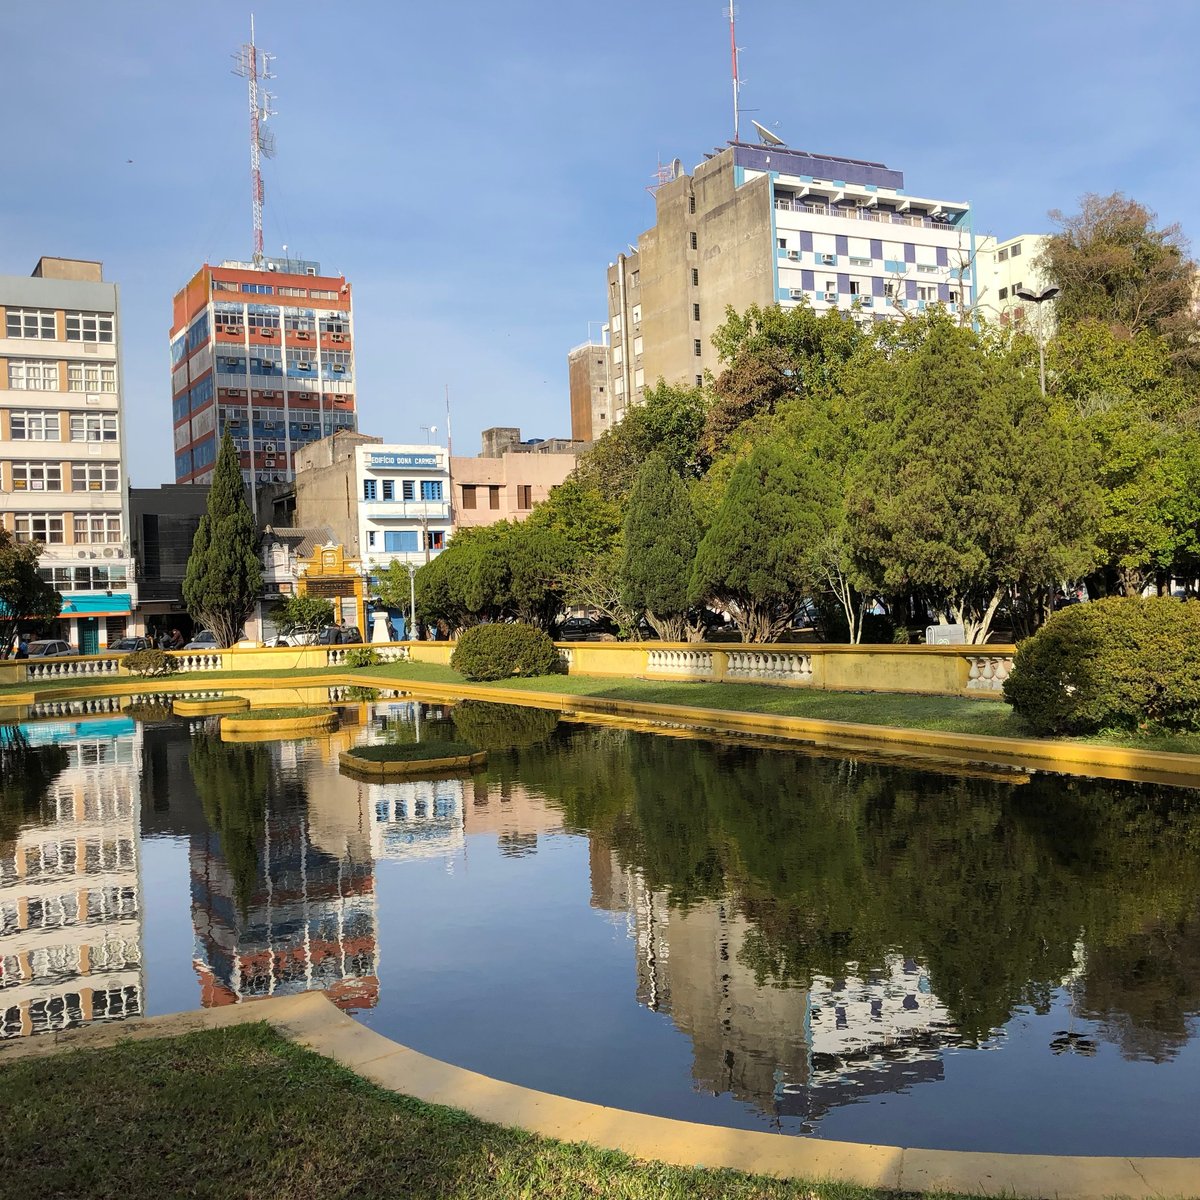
{"x":990,"y":883}
{"x":26,"y":775}
{"x":233,"y":779}
{"x":501,"y":726}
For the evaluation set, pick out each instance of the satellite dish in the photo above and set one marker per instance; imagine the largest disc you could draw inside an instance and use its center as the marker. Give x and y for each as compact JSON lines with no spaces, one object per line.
{"x":766,"y":136}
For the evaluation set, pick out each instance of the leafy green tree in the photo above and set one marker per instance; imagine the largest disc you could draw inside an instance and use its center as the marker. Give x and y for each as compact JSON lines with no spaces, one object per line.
{"x":753,"y":557}
{"x":1114,"y":265}
{"x":307,"y":612}
{"x":224,"y":575}
{"x":972,"y":484}
{"x":661,"y":537}
{"x":25,"y":597}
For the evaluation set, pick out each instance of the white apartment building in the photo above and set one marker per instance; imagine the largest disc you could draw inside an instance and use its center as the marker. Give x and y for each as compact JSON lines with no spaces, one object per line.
{"x":62,"y":442}
{"x":1004,"y":268}
{"x":404,"y":504}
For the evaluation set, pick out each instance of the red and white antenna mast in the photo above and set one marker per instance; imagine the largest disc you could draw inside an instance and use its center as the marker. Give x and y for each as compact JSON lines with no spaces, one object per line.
{"x":733,"y":55}
{"x":253,"y":65}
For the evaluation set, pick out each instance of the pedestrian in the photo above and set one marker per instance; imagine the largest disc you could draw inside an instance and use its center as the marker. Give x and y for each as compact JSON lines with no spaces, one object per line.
{"x":177,"y":642}
{"x":22,"y":646}
{"x":163,"y":641}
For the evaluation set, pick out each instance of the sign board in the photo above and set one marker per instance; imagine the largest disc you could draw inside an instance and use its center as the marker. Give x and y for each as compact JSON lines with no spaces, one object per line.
{"x":427,"y":461}
{"x":329,"y":587}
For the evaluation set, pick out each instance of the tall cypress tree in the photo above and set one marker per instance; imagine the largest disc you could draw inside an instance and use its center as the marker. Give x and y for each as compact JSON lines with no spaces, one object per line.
{"x":224,"y":576}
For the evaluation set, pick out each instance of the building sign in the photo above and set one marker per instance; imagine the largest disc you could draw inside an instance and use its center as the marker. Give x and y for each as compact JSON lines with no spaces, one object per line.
{"x":330,"y":587}
{"x":403,"y":460}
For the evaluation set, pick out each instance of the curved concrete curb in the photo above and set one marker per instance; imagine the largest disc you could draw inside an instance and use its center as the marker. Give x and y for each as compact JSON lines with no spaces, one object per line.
{"x":403,"y":768}
{"x":311,"y":1020}
{"x":210,"y":708}
{"x":239,"y":728}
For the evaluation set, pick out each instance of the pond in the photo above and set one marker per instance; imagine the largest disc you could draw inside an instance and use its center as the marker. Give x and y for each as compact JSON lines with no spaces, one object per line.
{"x":767,"y":938}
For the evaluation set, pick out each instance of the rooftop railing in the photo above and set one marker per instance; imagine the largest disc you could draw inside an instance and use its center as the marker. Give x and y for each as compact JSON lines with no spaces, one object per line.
{"x":861,"y":214}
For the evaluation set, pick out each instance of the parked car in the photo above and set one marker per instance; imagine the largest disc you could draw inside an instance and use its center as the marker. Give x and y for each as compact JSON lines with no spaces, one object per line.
{"x":204,"y":640}
{"x":298,"y":635}
{"x":48,"y":648}
{"x":130,"y":644}
{"x":339,"y":635}
{"x":584,"y":629}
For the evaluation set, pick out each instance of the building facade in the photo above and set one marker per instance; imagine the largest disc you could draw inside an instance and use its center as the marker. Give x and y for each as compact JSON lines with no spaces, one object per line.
{"x":266,"y":352}
{"x":590,"y":391}
{"x":765,"y":225}
{"x":1005,"y":268}
{"x":504,"y":488}
{"x":62,"y":440}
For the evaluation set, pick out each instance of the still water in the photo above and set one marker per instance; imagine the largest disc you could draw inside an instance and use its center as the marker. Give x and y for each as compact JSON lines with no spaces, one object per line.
{"x":765,"y":938}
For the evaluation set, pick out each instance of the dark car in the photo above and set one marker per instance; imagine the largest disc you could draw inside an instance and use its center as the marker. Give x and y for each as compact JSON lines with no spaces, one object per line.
{"x":129,"y":645}
{"x":339,"y":635}
{"x":584,"y":629}
{"x":48,"y":648}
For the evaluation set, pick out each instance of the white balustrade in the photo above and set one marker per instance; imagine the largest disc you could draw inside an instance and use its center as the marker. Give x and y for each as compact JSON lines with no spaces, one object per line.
{"x":689,"y":664}
{"x":70,"y":668}
{"x":988,"y":672}
{"x":198,"y":660}
{"x":776,"y":666}
{"x":568,"y":657}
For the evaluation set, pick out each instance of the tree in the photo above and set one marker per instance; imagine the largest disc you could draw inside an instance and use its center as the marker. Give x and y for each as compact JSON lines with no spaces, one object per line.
{"x":224,"y":575}
{"x":752,"y":559}
{"x":307,"y":612}
{"x":1113,"y":265}
{"x":661,"y":537}
{"x":972,"y":485}
{"x":25,"y":597}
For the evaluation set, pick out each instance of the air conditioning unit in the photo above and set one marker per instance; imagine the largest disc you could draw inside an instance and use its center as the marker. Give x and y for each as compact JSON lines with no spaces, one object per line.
{"x":239,"y":329}
{"x":828,"y":260}
{"x":269,"y":332}
{"x":268,"y":447}
{"x":794,"y":255}
{"x":268,"y":395}
{"x":831,"y":297}
{"x":339,"y":367}
{"x":310,"y":270}
{"x":303,"y":335}
{"x":305,"y":426}
{"x":867,"y":301}
{"x":109,"y":552}
{"x":796,"y":293}
{"x":83,"y":554}
{"x":337,"y":337}
{"x":268,"y":462}
{"x":304,"y":366}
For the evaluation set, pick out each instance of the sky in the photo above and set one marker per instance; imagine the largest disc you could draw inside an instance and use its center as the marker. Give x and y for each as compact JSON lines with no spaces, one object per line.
{"x":474,"y":167}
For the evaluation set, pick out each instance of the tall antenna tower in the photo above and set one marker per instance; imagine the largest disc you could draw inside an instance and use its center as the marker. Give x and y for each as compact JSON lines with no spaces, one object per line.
{"x":733,"y":54}
{"x":253,"y":65}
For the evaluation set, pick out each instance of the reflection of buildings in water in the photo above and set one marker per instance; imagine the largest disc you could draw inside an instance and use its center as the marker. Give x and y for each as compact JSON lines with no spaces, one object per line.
{"x":70,"y":913}
{"x":787,"y":1051}
{"x":417,"y":818}
{"x":514,"y":815}
{"x":309,"y":919}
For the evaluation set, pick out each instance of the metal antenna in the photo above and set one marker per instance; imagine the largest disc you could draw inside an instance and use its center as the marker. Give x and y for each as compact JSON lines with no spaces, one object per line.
{"x":733,"y":54}
{"x":253,"y":65}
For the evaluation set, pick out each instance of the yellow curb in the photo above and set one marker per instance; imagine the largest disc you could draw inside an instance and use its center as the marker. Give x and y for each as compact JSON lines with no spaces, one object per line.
{"x":312,"y":1021}
{"x":282,"y":727}
{"x":210,"y":708}
{"x":411,"y":766}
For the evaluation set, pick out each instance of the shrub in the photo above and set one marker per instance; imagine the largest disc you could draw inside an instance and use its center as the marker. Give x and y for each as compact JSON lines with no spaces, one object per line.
{"x":362,"y":656}
{"x":502,"y":651}
{"x":1112,"y":664}
{"x":149,"y":662}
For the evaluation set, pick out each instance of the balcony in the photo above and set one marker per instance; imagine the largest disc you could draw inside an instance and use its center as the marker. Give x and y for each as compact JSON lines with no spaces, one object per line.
{"x":407,"y":510}
{"x":863,"y":214}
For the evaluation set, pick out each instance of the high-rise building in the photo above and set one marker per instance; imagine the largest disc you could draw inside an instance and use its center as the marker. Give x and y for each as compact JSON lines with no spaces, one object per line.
{"x":590,"y":389}
{"x":62,"y":437}
{"x":765,"y":225}
{"x":265,"y":350}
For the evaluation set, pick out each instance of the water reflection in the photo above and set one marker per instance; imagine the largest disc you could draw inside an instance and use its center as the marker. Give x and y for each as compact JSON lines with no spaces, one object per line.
{"x":70,"y":909}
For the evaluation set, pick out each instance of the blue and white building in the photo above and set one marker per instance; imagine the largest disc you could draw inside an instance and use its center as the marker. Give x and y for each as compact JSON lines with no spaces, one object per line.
{"x":403,"y":503}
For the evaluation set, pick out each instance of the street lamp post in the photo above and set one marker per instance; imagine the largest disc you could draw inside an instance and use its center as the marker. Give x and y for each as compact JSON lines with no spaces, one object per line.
{"x":1039,"y":298}
{"x":412,"y":602}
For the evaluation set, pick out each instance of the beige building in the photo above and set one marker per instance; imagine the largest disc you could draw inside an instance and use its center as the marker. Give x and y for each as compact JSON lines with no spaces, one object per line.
{"x":771,"y":225}
{"x":509,"y":478}
{"x":62,"y":436}
{"x":590,"y":390}
{"x":1004,"y":268}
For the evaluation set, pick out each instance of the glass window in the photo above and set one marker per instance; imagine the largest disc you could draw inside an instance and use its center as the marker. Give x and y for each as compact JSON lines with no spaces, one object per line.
{"x":94,"y":477}
{"x":37,"y":477}
{"x":1015,"y":250}
{"x":33,"y":323}
{"x":389,"y":489}
{"x":38,"y":527}
{"x":91,"y":377}
{"x":93,"y":427}
{"x":32,"y":375}
{"x":400,"y":541}
{"x":35,"y":427}
{"x":369,"y":489}
{"x":97,"y":529}
{"x":89,"y":327}
{"x":435,"y":539}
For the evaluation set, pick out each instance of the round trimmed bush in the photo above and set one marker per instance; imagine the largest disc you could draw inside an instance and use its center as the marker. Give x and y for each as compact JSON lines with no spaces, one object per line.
{"x":1112,"y":664}
{"x":503,"y":651}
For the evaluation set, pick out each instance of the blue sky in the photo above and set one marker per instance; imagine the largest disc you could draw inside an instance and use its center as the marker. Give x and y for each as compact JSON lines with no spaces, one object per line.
{"x":473,"y":167}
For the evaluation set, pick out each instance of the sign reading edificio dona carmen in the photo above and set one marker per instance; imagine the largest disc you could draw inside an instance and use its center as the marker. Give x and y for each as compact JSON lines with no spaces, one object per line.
{"x":403,"y":460}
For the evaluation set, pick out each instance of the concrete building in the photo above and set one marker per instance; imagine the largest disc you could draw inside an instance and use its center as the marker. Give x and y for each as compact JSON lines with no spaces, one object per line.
{"x":384,"y":503}
{"x":590,"y":390}
{"x":266,"y":351}
{"x":506,"y":439}
{"x":765,"y":225}
{"x":62,"y":438}
{"x":163,"y":524}
{"x":1004,"y":268}
{"x":509,"y":477}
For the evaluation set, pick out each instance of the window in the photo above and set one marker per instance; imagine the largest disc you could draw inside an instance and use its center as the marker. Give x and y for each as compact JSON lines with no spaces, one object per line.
{"x":435,"y":539}
{"x":35,"y":427}
{"x":93,"y":427}
{"x":371,"y":539}
{"x":637,"y":346}
{"x":1016,"y":287}
{"x":782,"y":243}
{"x":635,"y":279}
{"x":431,"y":489}
{"x":691,"y":204}
{"x":89,"y":327}
{"x":89,"y":477}
{"x":697,"y":348}
{"x":34,"y":323}
{"x":953,"y":295}
{"x":313,"y":294}
{"x":493,"y":496}
{"x":369,"y":489}
{"x":927,"y":291}
{"x":38,"y":527}
{"x":1003,"y":293}
{"x":695,"y":312}
{"x":36,"y":477}
{"x":1015,"y":250}
{"x":695,"y":277}
{"x":389,"y":489}
{"x":32,"y":376}
{"x":97,"y":529}
{"x":693,"y":241}
{"x":615,"y":324}
{"x":699,"y":380}
{"x":468,"y":495}
{"x":291,"y":291}
{"x":400,"y":541}
{"x":637,"y":314}
{"x":856,"y":288}
{"x":258,"y":289}
{"x":889,"y":290}
{"x":91,"y":377}
{"x":524,"y":495}
{"x":1002,"y":256}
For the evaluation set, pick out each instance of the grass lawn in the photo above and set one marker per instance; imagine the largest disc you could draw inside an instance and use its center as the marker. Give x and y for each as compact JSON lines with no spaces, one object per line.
{"x":294,"y":713}
{"x":242,"y":1112}
{"x":412,"y":751}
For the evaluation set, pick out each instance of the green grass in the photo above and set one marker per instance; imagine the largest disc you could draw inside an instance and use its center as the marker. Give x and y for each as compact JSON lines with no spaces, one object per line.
{"x":412,"y":751}
{"x":281,"y":714}
{"x":242,"y":1112}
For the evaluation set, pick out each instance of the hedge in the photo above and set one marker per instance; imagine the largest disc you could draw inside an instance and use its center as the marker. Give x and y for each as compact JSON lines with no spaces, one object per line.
{"x":1119,"y":664}
{"x":502,"y":651}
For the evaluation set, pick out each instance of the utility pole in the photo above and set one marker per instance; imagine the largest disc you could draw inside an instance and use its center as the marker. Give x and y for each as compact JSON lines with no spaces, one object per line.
{"x":253,"y":65}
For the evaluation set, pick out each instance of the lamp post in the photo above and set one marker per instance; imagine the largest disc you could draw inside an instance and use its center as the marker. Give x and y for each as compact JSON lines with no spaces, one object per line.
{"x":412,"y":602}
{"x":1039,"y":298}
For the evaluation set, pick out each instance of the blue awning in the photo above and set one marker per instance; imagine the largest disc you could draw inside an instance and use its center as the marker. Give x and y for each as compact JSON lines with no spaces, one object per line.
{"x":89,"y":604}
